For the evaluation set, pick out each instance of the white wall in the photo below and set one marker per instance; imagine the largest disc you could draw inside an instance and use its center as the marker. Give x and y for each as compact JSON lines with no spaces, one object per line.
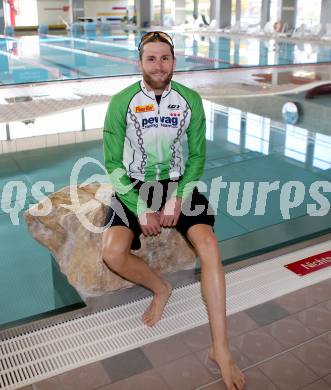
{"x":27,"y":13}
{"x":96,"y":8}
{"x":93,"y":8}
{"x":49,"y":16}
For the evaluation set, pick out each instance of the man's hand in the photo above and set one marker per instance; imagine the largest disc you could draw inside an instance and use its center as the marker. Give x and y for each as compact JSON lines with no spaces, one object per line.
{"x":150,"y":223}
{"x":170,"y":212}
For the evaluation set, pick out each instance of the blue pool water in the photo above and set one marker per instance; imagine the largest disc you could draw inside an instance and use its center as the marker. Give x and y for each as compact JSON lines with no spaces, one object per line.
{"x":245,"y":152}
{"x":29,"y":59}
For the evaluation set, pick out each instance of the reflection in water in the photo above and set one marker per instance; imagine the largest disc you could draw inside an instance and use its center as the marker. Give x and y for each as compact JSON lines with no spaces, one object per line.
{"x":36,"y":58}
{"x":234,"y":125}
{"x":322,"y":155}
{"x":253,"y":132}
{"x":257,"y":133}
{"x":296,"y":143}
{"x":224,"y":125}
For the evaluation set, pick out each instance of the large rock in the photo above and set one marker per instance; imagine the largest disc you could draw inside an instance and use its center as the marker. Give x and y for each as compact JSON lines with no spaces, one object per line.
{"x":66,"y":231}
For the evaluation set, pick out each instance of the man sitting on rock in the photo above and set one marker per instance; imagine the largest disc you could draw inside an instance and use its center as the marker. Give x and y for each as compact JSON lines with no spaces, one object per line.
{"x":144,"y":131}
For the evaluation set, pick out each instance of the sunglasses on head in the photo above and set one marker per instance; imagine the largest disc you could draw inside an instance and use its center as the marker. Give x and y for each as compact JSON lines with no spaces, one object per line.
{"x":155,"y":34}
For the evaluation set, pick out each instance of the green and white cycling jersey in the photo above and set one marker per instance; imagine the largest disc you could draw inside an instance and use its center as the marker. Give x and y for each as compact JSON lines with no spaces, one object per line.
{"x":144,"y":139}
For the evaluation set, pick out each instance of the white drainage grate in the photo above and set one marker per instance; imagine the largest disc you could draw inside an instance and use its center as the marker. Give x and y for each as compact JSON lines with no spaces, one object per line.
{"x":50,"y":351}
{"x":47,"y":352}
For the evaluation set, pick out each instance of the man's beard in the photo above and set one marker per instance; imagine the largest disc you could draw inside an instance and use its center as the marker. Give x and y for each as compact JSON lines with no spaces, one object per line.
{"x":157,"y":84}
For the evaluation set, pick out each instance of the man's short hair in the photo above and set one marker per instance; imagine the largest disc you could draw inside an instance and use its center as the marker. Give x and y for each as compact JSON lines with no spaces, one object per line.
{"x":155,"y":36}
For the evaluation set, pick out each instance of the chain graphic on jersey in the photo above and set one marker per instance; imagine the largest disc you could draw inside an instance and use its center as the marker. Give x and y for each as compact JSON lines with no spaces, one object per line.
{"x":179,"y":133}
{"x":140,"y":141}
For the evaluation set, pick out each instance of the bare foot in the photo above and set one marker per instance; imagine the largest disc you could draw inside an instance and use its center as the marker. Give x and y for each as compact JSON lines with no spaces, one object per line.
{"x":154,"y":311}
{"x":233,"y":378}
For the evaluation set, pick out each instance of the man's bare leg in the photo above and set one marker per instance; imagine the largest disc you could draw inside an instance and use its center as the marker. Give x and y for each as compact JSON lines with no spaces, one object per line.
{"x":205,"y":243}
{"x":116,"y":244}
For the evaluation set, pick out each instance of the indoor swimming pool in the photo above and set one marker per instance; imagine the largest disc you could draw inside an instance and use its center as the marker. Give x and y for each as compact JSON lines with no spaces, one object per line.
{"x":36,"y":58}
{"x":245,"y":151}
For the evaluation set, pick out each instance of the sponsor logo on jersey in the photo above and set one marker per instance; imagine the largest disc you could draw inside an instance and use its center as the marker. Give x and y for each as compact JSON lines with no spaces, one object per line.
{"x":146,"y":108}
{"x":164,"y":121}
{"x":173,"y":107}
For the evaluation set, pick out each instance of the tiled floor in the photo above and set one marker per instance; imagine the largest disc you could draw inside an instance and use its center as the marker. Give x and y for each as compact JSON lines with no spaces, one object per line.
{"x":282,"y":344}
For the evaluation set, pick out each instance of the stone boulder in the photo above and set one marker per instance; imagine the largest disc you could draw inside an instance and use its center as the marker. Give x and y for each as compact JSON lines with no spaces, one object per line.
{"x":69,"y":223}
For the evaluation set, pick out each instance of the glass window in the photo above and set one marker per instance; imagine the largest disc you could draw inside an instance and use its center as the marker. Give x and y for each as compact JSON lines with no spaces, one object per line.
{"x":156,"y":12}
{"x":170,"y":12}
{"x":209,"y":111}
{"x":305,"y":53}
{"x":204,"y":9}
{"x":131,"y":9}
{"x":296,"y":143}
{"x":274,"y":10}
{"x":308,"y":12}
{"x":234,"y":125}
{"x":257,"y":133}
{"x":189,"y":45}
{"x":233,"y":12}
{"x":250,"y":12}
{"x":322,"y":152}
{"x":249,"y":51}
{"x":189,"y":10}
{"x":271,"y":45}
{"x":253,"y":52}
{"x":203,"y":48}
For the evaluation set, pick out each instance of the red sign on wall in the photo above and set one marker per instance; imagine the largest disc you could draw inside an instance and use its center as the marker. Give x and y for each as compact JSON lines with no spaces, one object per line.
{"x":310,"y":264}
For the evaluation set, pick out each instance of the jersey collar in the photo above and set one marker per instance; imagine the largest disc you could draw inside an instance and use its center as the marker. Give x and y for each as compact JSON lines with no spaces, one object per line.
{"x":151,"y":93}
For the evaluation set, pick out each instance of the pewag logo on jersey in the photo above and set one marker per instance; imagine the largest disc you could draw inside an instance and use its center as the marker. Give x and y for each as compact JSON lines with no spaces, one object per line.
{"x":146,"y":108}
{"x":164,"y":121}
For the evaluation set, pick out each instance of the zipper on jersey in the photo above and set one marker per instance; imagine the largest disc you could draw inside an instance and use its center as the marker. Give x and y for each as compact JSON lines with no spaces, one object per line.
{"x":157,"y":135}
